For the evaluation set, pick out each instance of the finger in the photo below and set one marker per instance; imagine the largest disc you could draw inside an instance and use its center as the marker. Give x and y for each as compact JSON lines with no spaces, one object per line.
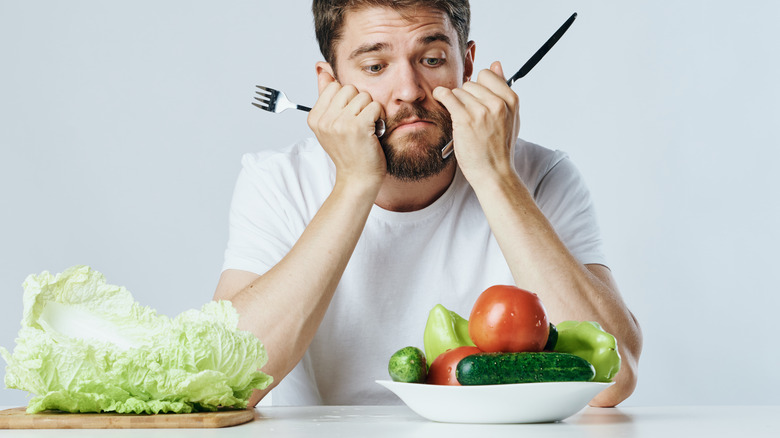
{"x":446,"y":97}
{"x":493,"y":79}
{"x":481,"y":101}
{"x":323,"y":103}
{"x":479,"y":98}
{"x":356,"y":105}
{"x":471,"y":102}
{"x":369,"y":115}
{"x":324,"y":79}
{"x":480,"y":91}
{"x":343,"y":97}
{"x":498,"y":69}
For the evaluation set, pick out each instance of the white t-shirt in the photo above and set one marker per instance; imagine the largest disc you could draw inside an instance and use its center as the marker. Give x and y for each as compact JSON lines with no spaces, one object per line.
{"x":404,"y":263}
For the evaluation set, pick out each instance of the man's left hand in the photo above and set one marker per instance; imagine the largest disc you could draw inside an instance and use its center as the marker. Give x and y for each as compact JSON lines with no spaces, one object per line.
{"x":485,"y":122}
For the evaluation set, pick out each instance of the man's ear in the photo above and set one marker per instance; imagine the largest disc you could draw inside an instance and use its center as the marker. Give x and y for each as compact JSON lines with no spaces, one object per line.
{"x":325,"y":75}
{"x":468,"y":69}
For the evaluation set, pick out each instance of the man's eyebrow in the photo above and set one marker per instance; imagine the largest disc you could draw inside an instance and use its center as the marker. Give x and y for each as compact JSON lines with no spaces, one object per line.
{"x":428,"y":39}
{"x":368,"y":48}
{"x":379,"y":47}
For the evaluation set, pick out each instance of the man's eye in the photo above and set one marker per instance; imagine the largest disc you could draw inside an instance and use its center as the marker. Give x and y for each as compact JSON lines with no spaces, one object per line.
{"x":375,"y":68}
{"x":433,"y":62}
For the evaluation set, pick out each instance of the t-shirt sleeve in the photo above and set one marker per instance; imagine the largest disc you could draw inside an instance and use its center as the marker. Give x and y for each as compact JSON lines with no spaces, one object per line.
{"x":261,"y":231}
{"x":565,"y":200}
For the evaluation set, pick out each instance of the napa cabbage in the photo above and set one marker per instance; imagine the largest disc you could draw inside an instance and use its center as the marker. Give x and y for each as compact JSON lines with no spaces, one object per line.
{"x":88,"y":346}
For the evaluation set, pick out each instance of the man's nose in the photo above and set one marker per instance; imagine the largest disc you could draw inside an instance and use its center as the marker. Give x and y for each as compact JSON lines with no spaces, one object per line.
{"x":408,"y":85}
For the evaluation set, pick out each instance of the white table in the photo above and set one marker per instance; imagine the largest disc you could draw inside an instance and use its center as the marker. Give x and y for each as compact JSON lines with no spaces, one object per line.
{"x":400,"y":422}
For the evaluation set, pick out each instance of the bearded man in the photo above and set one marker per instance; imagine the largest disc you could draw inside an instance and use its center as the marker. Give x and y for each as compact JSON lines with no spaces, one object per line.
{"x":340,"y":245}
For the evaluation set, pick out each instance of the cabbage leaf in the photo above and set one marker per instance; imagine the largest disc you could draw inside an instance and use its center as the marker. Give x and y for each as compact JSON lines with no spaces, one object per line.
{"x":88,"y":346}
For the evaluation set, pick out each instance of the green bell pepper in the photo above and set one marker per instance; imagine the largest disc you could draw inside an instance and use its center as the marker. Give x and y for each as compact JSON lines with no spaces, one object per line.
{"x":589,"y":341}
{"x":444,"y":330}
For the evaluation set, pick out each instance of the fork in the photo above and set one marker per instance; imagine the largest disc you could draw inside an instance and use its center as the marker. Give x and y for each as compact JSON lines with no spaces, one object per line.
{"x":276,"y":101}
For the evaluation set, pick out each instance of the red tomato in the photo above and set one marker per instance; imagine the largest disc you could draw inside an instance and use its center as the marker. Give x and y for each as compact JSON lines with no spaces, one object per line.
{"x":442,"y":371}
{"x":508,"y":319}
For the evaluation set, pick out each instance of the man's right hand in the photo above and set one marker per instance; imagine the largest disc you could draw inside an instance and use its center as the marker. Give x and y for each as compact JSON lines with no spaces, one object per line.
{"x":344,"y":120}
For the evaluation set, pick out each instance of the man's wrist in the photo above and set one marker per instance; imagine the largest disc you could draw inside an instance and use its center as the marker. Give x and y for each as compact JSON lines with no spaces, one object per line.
{"x":492,"y":178}
{"x":361,"y":188}
{"x":503,"y":190}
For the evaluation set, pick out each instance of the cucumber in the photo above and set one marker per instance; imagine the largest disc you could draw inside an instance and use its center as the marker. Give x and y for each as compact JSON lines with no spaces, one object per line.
{"x":408,"y":365}
{"x":526,"y":367}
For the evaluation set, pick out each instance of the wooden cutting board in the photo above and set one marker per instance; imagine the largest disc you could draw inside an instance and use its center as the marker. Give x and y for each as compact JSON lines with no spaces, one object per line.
{"x":18,"y":418}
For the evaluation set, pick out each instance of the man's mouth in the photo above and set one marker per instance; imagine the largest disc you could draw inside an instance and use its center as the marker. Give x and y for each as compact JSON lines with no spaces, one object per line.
{"x":416,"y":120}
{"x":412,"y":124}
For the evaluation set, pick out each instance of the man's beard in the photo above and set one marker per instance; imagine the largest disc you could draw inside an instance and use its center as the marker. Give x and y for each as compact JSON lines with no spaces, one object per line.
{"x":416,"y":156}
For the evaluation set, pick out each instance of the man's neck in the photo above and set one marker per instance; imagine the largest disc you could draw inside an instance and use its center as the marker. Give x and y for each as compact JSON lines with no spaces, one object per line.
{"x":403,"y":196}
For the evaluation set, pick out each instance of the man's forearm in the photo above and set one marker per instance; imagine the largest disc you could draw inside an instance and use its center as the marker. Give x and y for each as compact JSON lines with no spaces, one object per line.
{"x":284,"y":306}
{"x":538,"y":259}
{"x":541,"y":263}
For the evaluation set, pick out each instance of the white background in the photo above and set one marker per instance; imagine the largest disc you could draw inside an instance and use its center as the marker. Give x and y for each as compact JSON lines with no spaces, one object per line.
{"x":122,"y":125}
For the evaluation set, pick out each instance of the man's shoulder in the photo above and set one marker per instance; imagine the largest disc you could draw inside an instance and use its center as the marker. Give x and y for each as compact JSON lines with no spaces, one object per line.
{"x":301,"y":168}
{"x":533,"y":153}
{"x":533,"y":161}
{"x":304,"y":153}
{"x":297,"y":177}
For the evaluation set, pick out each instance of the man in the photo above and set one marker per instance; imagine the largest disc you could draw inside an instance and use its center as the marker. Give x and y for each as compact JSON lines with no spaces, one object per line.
{"x":339,"y":247}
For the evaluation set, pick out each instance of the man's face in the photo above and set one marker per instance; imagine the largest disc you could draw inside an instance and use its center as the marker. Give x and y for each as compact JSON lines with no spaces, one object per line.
{"x":399,"y":61}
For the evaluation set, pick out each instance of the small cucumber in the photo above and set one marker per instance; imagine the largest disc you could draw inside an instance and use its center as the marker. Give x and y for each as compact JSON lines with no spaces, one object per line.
{"x":408,"y":365}
{"x":526,"y":367}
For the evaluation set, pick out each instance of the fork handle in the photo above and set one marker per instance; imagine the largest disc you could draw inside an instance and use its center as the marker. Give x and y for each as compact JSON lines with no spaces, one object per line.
{"x":303,"y":108}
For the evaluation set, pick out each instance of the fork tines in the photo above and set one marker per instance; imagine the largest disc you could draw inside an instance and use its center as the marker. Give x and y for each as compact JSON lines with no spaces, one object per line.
{"x":267,"y":98}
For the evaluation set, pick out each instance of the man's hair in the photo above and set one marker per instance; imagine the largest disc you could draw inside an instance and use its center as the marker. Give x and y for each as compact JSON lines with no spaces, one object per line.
{"x":329,"y":18}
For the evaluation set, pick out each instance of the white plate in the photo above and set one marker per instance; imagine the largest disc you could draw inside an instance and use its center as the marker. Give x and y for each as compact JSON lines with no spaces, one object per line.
{"x":512,"y":403}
